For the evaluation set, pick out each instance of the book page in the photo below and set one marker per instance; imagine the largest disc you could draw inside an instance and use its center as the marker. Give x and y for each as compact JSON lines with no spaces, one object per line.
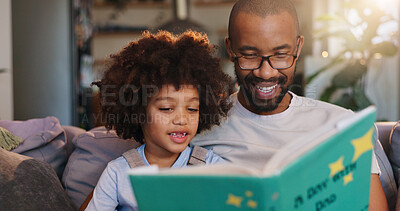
{"x":144,"y":170}
{"x":214,"y":169}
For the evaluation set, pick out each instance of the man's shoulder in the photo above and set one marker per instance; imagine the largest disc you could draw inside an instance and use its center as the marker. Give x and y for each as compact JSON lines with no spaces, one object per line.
{"x":229,"y":127}
{"x":309,"y":104}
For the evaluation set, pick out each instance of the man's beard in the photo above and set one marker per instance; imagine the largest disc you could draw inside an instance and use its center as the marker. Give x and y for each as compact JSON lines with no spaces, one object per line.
{"x":261,"y":105}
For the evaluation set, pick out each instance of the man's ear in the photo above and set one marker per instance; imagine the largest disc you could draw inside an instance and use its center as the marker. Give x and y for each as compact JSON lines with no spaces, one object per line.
{"x":228,"y":48}
{"x":301,"y":42}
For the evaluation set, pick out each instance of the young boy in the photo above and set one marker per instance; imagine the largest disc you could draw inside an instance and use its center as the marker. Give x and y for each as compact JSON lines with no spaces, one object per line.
{"x":160,"y":90}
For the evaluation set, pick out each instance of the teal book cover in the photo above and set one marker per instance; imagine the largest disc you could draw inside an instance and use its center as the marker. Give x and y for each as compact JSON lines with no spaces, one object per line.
{"x":330,"y":170}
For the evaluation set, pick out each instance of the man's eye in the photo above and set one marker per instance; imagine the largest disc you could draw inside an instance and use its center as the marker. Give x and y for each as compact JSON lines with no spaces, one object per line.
{"x":250,"y":56}
{"x":281,"y":55}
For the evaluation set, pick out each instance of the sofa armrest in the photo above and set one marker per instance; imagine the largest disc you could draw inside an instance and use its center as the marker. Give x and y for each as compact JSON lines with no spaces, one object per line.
{"x":384,"y":129}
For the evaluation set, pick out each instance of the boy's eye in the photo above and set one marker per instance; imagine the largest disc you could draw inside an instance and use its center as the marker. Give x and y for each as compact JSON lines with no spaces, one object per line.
{"x":193,"y":109}
{"x":165,"y":109}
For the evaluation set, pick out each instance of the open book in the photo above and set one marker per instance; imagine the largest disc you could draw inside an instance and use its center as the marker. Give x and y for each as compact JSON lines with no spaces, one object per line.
{"x":329,"y":170}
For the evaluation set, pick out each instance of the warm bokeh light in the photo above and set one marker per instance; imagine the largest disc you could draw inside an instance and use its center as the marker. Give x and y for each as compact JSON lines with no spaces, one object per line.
{"x":378,"y":56}
{"x":367,"y":11}
{"x":386,"y":29}
{"x":348,"y":54}
{"x":389,"y":6}
{"x":325,"y":54}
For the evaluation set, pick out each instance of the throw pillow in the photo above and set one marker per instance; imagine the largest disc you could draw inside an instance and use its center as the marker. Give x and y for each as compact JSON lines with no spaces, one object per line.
{"x":44,"y":139}
{"x":93,"y":150}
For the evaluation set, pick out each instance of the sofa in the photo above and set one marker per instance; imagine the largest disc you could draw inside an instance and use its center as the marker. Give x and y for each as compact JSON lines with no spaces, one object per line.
{"x":387,"y":151}
{"x":79,"y":157}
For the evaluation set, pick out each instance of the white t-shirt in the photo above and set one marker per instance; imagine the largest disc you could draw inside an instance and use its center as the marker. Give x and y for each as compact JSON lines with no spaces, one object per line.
{"x":249,"y":139}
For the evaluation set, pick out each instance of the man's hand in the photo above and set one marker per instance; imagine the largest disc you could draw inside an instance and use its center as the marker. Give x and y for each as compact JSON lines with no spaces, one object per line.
{"x":377,"y":198}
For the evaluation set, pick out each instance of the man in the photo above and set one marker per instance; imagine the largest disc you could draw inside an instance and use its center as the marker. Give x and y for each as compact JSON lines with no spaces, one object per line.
{"x":264,"y":43}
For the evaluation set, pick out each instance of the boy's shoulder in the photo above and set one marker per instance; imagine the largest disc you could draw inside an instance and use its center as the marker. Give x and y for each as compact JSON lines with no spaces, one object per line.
{"x":195,"y":155}
{"x":201,"y":155}
{"x":118,"y":164}
{"x":198,"y":155}
{"x":124,"y":162}
{"x":133,"y":158}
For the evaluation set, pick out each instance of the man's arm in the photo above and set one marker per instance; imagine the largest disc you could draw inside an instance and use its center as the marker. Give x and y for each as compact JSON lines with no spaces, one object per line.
{"x":377,"y":198}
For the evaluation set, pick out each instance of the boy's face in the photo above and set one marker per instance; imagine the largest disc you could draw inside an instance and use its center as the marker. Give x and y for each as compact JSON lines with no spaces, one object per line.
{"x":173,"y":118}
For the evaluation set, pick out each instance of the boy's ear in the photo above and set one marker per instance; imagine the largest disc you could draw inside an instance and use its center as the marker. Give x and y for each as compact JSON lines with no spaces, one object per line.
{"x":228,"y":48}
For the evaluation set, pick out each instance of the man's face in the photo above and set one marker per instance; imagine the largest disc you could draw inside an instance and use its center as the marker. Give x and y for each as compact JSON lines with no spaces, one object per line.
{"x":264,"y":91}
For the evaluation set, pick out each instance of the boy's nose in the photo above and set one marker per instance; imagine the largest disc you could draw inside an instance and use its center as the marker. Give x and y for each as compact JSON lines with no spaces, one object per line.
{"x":180,"y":119}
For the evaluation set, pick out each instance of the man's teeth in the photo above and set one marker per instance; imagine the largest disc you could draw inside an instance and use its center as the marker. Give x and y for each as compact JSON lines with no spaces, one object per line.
{"x":179,"y":135}
{"x":264,"y":89}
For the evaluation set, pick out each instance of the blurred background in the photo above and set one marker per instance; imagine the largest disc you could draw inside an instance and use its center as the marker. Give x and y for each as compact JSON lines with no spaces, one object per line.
{"x":53,"y":49}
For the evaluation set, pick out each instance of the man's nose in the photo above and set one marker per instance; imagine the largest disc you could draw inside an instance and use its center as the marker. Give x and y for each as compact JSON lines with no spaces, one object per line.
{"x":265,"y":71}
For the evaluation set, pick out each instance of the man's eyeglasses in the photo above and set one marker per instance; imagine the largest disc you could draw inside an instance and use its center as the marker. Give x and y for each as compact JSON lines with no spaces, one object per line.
{"x":277,"y":61}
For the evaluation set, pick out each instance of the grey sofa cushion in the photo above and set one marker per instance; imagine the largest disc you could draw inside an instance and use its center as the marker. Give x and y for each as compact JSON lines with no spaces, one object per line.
{"x":394,"y":153}
{"x":71,"y":132}
{"x":386,"y":177}
{"x":93,"y":150}
{"x":384,"y":130}
{"x":44,"y":139}
{"x":29,"y":184}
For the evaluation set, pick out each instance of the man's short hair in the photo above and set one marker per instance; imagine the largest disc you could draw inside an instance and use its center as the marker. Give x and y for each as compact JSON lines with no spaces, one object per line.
{"x":262,"y":8}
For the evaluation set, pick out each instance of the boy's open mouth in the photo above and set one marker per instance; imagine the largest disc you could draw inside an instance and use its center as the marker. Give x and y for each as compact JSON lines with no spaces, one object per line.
{"x":178,"y":135}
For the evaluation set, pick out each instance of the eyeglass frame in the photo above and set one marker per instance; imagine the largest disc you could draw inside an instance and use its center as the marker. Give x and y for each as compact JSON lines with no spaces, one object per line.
{"x":263,"y":58}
